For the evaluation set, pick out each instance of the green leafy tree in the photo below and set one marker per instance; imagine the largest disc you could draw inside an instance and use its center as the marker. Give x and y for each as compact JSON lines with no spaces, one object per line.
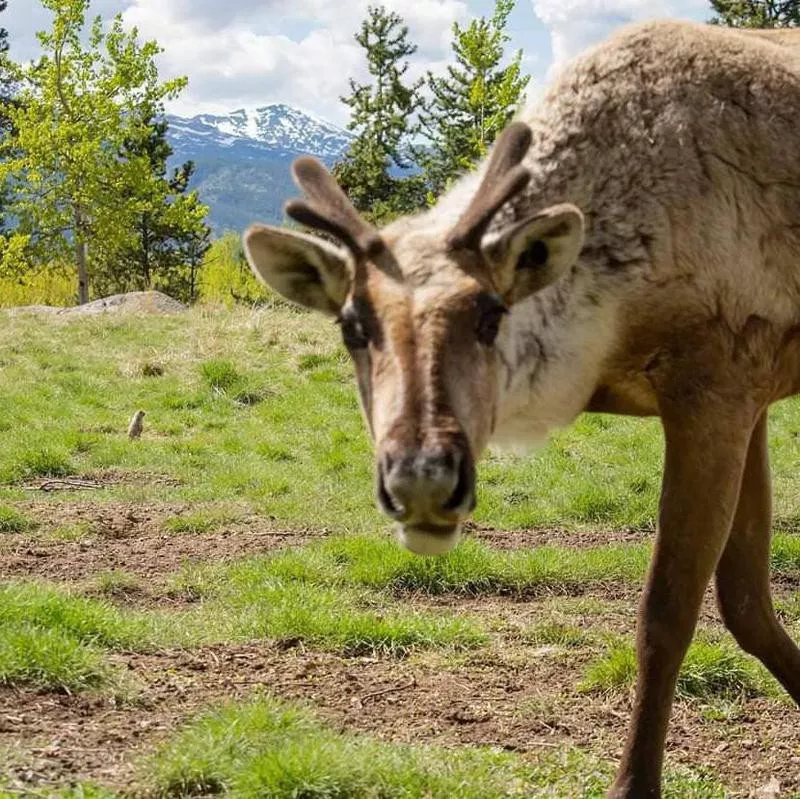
{"x":755,"y":14}
{"x":381,"y":113}
{"x":78,"y":106}
{"x":473,"y":101}
{"x":170,"y":237}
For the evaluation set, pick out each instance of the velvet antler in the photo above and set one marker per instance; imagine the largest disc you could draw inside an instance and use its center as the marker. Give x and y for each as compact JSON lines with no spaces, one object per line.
{"x":327,"y":208}
{"x":505,"y":177}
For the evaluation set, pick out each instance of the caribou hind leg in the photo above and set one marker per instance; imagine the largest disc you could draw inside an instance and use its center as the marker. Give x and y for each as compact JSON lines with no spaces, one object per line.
{"x":743,"y":590}
{"x":706,"y":449}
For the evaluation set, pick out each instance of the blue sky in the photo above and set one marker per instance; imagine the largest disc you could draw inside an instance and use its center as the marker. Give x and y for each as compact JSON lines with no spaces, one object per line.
{"x":245,"y":53}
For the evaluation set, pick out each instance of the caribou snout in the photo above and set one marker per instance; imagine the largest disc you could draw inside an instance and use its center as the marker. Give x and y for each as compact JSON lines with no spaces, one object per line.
{"x":428,"y":493}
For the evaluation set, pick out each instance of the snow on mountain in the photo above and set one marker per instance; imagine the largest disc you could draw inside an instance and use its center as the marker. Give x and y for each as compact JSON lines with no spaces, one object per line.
{"x":242,"y":159}
{"x":276,"y":127}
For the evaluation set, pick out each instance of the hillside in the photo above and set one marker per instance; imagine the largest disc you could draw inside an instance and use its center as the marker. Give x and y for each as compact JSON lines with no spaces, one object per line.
{"x":242,"y":159}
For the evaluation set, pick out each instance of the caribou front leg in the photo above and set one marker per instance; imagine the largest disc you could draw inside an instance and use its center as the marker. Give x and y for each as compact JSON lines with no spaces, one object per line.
{"x":706,"y":448}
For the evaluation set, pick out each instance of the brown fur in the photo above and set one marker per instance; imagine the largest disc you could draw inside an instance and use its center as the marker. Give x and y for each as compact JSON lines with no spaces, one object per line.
{"x":668,"y":158}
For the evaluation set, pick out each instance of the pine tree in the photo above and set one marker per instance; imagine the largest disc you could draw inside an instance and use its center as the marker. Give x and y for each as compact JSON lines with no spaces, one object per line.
{"x":170,"y":237}
{"x":474,"y":101}
{"x":6,"y":99}
{"x":756,"y":14}
{"x":381,"y":113}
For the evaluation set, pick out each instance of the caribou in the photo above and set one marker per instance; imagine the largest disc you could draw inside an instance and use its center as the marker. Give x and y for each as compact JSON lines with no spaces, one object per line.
{"x":631,"y":245}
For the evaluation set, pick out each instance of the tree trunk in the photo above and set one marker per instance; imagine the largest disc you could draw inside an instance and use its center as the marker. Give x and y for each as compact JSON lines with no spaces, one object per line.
{"x":81,"y":260}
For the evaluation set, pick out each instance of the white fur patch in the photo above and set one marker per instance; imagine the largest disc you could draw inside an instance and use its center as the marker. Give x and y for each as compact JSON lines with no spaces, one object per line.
{"x":422,"y":543}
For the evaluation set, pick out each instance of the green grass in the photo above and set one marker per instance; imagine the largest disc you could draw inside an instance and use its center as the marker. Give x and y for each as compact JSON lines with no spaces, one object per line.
{"x":710,"y":671}
{"x":269,"y":748}
{"x":201,"y":521}
{"x":350,"y":622}
{"x":12,"y":521}
{"x":51,"y":659}
{"x":55,"y":630}
{"x":557,"y":634}
{"x":473,"y":568}
{"x":68,"y":389}
{"x":90,"y":621}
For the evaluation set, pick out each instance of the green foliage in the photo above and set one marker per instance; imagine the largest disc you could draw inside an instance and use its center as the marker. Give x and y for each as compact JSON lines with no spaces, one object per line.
{"x":170,"y":238}
{"x":474,"y":101}
{"x":381,"y":113}
{"x":757,"y":13}
{"x":49,"y":285}
{"x":472,"y":568}
{"x":80,"y":105}
{"x":55,"y":640}
{"x":226,"y":278}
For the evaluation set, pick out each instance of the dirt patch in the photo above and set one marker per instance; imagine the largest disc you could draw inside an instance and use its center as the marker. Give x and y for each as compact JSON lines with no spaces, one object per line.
{"x":97,"y":480}
{"x":523,"y":700}
{"x":556,"y":536}
{"x":130,"y":537}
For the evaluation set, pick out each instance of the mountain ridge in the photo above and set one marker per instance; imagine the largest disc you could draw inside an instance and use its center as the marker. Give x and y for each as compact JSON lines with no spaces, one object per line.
{"x":243,"y":158}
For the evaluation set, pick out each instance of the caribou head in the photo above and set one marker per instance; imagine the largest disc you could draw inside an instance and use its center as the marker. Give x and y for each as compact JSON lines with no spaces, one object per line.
{"x":421,"y":305}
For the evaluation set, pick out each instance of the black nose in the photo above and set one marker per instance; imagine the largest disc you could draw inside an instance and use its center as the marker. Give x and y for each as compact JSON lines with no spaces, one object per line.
{"x":426,"y":485}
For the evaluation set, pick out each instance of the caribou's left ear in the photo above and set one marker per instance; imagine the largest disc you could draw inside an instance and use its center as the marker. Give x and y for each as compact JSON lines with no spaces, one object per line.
{"x":531,"y":254}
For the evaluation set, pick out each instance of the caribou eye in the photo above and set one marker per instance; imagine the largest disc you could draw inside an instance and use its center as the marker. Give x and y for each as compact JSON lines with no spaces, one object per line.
{"x":353,"y":333}
{"x":492,"y":310}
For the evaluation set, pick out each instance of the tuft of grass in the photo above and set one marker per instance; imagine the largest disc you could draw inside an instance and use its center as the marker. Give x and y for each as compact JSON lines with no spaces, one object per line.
{"x":198,"y":522}
{"x":12,"y":521}
{"x":710,"y":671}
{"x":556,"y":634}
{"x":221,"y":375}
{"x":614,"y":670}
{"x":335,"y":619}
{"x":89,"y":621}
{"x":786,"y":553}
{"x":44,"y":462}
{"x":50,"y":659}
{"x":117,"y":584}
{"x":266,"y":747}
{"x":74,"y":531}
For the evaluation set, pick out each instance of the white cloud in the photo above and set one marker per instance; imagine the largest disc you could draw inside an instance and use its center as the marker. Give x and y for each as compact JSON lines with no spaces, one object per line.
{"x":252,"y":52}
{"x":577,"y":24}
{"x":241,"y":54}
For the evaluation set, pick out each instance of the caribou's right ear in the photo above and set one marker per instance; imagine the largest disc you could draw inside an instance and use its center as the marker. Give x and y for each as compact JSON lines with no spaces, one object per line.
{"x":304,"y":269}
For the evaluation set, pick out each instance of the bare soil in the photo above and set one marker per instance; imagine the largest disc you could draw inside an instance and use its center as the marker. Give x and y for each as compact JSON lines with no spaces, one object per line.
{"x":130,"y":537}
{"x":513,"y":695}
{"x":521,"y":700}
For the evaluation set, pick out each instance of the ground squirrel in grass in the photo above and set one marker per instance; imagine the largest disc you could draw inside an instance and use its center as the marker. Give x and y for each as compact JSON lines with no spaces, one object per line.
{"x":137,"y":425}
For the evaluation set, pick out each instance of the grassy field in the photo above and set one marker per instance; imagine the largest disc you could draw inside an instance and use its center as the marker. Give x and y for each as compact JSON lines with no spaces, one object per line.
{"x":218,"y":608}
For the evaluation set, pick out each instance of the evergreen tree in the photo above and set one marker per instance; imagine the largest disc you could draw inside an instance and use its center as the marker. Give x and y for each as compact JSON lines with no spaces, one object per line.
{"x":77,"y":108}
{"x":381,"y":113}
{"x":474,"y":101}
{"x":756,"y":14}
{"x":170,"y":237}
{"x":6,"y":98}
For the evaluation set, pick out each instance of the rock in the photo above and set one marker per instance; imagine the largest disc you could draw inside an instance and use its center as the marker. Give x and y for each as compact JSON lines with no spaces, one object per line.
{"x":142,"y":302}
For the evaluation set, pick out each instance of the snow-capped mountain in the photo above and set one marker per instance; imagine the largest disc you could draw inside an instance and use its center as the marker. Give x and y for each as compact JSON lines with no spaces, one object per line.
{"x":242,"y":159}
{"x":277,"y":127}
